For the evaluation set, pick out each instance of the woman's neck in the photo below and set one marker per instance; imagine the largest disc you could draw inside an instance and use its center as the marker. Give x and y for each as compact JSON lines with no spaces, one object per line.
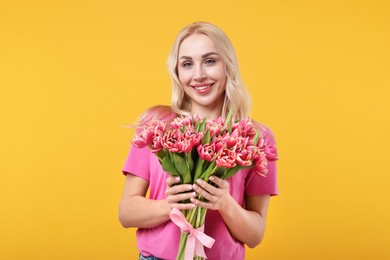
{"x":209,"y":113}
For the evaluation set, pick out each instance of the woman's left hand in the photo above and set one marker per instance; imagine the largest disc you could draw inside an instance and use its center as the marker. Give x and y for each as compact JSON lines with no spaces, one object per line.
{"x":217,"y":198}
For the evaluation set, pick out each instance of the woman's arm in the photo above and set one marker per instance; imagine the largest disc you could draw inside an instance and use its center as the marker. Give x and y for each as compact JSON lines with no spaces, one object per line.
{"x":246,"y":225}
{"x":137,"y":211}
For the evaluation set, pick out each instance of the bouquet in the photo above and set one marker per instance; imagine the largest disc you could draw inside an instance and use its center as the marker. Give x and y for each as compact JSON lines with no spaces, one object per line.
{"x":193,"y":148}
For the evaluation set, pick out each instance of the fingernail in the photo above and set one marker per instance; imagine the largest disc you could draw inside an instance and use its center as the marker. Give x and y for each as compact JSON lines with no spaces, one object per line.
{"x":211,"y":178}
{"x":194,"y":187}
{"x":192,"y":200}
{"x":192,"y":205}
{"x":189,"y":187}
{"x":193,"y":194}
{"x":199,"y":181}
{"x":177,"y":179}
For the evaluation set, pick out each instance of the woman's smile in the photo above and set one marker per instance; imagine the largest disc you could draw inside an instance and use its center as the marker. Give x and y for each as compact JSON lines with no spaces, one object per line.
{"x":202,"y":88}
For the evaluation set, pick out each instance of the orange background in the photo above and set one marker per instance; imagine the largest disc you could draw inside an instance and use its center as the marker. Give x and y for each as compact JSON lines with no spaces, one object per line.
{"x":73,"y":72}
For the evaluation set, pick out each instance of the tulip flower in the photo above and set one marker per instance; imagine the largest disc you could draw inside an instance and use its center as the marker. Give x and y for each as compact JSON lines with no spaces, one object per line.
{"x":169,"y":140}
{"x":206,"y":152}
{"x":226,"y":158}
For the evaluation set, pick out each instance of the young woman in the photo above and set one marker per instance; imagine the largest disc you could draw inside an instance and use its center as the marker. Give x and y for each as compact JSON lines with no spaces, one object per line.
{"x":206,"y":82}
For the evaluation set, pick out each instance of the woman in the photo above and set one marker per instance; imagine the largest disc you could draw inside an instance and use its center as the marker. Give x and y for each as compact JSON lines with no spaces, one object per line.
{"x":206,"y":82}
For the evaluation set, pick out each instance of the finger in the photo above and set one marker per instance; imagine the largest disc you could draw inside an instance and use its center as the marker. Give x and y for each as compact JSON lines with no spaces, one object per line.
{"x":172,"y":180}
{"x":203,"y":193}
{"x":180,"y":197}
{"x":178,"y":189}
{"x":202,"y":204}
{"x":182,"y":206}
{"x":209,"y":188}
{"x":219,"y":182}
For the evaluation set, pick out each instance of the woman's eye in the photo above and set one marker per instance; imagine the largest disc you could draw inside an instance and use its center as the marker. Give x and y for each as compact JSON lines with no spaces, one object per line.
{"x":210,"y":61}
{"x":186,"y":64}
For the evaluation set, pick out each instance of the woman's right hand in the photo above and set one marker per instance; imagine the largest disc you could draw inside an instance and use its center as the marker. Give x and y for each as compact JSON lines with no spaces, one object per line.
{"x":179,"y":192}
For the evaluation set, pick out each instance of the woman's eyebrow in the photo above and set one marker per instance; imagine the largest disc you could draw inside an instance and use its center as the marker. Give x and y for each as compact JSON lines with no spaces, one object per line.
{"x":185,"y":58}
{"x":203,"y":56}
{"x":209,"y":54}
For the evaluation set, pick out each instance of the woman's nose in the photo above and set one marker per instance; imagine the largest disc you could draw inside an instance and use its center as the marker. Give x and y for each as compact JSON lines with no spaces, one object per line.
{"x":199,"y":73}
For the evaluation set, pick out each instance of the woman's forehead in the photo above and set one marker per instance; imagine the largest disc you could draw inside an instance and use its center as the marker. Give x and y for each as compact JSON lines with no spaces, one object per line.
{"x":196,"y":45}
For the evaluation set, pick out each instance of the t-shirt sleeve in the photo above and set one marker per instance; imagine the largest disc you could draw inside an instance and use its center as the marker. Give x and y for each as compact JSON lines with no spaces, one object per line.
{"x":259,"y":185}
{"x":138,"y":162}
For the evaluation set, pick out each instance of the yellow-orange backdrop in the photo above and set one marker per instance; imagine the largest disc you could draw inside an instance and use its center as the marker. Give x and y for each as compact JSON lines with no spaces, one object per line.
{"x":73,"y":72}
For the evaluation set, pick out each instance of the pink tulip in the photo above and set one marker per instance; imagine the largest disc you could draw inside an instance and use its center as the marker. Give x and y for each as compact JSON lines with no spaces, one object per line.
{"x":261,"y":167}
{"x":216,"y":127}
{"x":158,"y":127}
{"x":206,"y":152}
{"x":143,"y":139}
{"x":169,"y":140}
{"x":271,"y":153}
{"x":243,"y":151}
{"x":196,"y":118}
{"x":194,"y":136}
{"x":230,"y":140}
{"x":255,"y":152}
{"x":145,"y":136}
{"x":156,"y":145}
{"x":243,"y":158}
{"x":226,"y":158}
{"x":270,"y":150}
{"x":179,"y":122}
{"x":261,"y":142}
{"x":219,"y":144}
{"x":183,"y":145}
{"x":245,"y":128}
{"x":186,"y":141}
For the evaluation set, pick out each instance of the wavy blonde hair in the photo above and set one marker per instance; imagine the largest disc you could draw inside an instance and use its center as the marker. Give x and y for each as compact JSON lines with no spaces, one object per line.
{"x":236,"y":96}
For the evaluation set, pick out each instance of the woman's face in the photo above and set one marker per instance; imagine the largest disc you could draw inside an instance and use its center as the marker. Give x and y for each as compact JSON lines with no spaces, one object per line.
{"x":202,"y":73}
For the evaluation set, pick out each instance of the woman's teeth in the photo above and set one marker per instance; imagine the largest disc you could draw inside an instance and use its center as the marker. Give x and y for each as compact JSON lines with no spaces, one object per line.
{"x":202,"y":87}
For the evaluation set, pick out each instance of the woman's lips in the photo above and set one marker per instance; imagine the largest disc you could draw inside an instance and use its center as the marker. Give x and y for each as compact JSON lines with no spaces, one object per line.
{"x":202,"y":87}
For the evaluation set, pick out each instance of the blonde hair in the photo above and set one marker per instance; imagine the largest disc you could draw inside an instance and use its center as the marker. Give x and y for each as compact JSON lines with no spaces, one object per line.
{"x":236,"y":96}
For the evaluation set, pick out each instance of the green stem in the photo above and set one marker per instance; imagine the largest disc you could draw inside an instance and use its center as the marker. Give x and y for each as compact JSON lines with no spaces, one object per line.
{"x":207,"y":176}
{"x":182,"y":246}
{"x":193,"y":214}
{"x":198,"y":219}
{"x":199,"y":169}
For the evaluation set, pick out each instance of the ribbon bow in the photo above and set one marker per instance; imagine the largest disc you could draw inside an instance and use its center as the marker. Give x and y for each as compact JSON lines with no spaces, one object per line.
{"x":196,"y":238}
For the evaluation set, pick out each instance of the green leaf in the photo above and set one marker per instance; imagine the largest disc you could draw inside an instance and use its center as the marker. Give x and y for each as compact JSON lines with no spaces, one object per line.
{"x":230,"y":130}
{"x":161,"y":155}
{"x":197,"y":125}
{"x":206,"y":138}
{"x":230,"y":172}
{"x":228,"y":118}
{"x":257,"y":136}
{"x":202,"y":125}
{"x":181,"y":166}
{"x":220,"y":172}
{"x":168,"y":167}
{"x":190,"y":162}
{"x":180,"y":163}
{"x":198,"y":168}
{"x":209,"y":171}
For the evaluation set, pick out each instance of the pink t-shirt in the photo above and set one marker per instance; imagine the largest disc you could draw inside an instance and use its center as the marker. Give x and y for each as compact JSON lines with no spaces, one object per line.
{"x":163,"y":240}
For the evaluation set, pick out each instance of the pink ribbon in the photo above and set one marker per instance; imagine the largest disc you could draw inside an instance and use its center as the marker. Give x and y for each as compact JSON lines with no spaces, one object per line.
{"x":196,"y":239}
